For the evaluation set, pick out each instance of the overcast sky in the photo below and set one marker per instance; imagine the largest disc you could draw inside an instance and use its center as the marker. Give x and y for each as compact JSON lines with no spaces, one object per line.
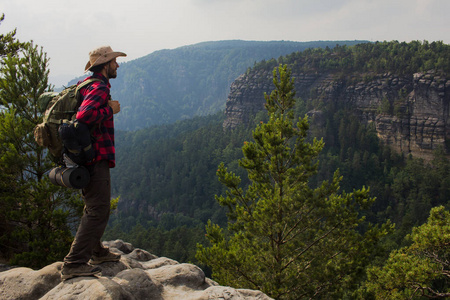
{"x":68,"y":29}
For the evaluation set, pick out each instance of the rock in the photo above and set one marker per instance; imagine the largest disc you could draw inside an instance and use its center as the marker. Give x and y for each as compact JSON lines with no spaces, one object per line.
{"x":185,"y":275}
{"x":88,"y":288}
{"x":25,"y":283}
{"x":416,"y":123}
{"x":139,"y":284}
{"x":159,"y":262}
{"x":138,"y":275}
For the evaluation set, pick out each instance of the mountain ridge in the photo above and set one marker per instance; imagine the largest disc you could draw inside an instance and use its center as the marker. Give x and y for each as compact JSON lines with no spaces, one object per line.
{"x":175,"y":84}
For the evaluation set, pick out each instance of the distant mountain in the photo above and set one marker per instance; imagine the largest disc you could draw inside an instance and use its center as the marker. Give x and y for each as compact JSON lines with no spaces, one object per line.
{"x":170,"y":85}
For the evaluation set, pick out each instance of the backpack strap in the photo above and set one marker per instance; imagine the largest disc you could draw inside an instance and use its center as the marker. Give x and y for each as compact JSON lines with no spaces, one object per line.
{"x":77,"y":96}
{"x":82,"y":85}
{"x":85,"y":149}
{"x":77,"y":92}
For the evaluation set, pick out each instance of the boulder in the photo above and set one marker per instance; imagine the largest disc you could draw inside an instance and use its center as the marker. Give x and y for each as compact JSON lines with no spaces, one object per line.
{"x":138,"y":275}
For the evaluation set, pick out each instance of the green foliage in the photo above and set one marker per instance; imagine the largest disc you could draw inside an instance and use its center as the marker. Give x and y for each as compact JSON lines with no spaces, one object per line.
{"x":416,"y":188}
{"x":370,"y":58}
{"x":8,"y":43}
{"x":34,"y":215}
{"x":385,"y":107}
{"x":176,"y":243}
{"x":171,"y":169}
{"x":158,"y":159}
{"x":285,"y":238}
{"x":165,"y":174}
{"x":420,"y":270}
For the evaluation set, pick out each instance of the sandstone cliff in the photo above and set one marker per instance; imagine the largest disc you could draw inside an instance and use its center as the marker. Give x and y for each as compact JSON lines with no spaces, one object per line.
{"x":138,"y":275}
{"x":411,"y":113}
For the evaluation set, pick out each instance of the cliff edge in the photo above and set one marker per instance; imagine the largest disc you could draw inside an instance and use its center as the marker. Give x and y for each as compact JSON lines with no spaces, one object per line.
{"x":138,"y":275}
{"x":410,"y":112}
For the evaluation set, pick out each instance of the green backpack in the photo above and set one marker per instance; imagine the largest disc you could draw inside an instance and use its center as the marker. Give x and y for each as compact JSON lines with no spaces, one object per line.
{"x":58,"y":108}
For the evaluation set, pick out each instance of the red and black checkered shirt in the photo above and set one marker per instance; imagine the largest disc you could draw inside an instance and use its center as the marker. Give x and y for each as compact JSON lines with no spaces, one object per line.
{"x":95,"y":112}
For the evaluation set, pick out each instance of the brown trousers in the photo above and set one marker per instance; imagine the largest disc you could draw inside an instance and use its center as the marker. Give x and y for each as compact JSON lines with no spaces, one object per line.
{"x":97,"y":197}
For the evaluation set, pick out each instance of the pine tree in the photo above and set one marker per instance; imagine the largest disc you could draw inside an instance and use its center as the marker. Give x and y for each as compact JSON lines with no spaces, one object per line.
{"x":285,"y":238}
{"x":34,"y":215}
{"x":420,"y":270}
{"x":8,"y":43}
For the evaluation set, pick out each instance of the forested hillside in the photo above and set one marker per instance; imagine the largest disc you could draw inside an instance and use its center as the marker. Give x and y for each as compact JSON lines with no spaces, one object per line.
{"x":170,"y":85}
{"x":166,"y":179}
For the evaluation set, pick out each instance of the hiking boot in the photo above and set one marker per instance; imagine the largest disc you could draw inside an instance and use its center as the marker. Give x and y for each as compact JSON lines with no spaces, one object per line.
{"x":110,"y":257}
{"x":76,"y":270}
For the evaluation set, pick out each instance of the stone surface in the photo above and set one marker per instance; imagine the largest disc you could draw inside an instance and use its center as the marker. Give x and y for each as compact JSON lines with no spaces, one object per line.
{"x":138,"y":275}
{"x":410,"y":112}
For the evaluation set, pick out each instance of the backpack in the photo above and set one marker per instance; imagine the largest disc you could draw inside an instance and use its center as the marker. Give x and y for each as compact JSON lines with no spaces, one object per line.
{"x":58,"y":108}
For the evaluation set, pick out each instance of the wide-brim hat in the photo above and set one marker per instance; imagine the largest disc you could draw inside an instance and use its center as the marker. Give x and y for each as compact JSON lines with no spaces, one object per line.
{"x":101,"y":55}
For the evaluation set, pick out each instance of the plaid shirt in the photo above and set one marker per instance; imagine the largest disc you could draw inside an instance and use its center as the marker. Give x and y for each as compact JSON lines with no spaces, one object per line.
{"x":94,"y":111}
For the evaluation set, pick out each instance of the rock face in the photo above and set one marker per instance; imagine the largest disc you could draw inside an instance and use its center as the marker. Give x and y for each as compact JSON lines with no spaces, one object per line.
{"x":411,"y":113}
{"x":138,"y":275}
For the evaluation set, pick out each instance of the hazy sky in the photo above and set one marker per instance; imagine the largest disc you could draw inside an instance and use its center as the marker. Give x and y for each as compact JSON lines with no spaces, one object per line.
{"x":67,"y":29}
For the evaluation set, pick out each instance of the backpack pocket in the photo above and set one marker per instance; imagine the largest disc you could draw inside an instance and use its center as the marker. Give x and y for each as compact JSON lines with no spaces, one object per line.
{"x":42,"y":135}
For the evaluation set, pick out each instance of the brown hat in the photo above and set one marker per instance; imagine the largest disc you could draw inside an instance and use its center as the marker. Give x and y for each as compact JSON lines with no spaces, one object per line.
{"x":100,"y":56}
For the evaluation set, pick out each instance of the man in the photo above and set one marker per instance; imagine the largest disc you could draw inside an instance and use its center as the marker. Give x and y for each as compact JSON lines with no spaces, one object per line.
{"x":96,"y":110}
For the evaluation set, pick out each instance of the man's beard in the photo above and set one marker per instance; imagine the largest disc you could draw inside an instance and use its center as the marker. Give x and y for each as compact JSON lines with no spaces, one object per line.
{"x":112,"y":74}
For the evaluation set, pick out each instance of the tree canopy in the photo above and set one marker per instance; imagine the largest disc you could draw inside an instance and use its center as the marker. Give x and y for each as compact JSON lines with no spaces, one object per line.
{"x":286,"y":238}
{"x":35,"y":217}
{"x":421,"y":269}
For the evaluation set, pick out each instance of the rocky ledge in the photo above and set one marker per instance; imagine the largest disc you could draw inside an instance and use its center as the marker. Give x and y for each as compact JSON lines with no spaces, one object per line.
{"x":138,"y":275}
{"x":411,"y":112}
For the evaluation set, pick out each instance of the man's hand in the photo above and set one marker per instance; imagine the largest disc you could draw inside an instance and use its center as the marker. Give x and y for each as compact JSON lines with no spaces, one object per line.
{"x":115,"y":105}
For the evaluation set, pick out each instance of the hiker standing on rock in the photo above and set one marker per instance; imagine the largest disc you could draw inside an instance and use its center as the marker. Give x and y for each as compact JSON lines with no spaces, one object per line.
{"x":96,"y":110}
